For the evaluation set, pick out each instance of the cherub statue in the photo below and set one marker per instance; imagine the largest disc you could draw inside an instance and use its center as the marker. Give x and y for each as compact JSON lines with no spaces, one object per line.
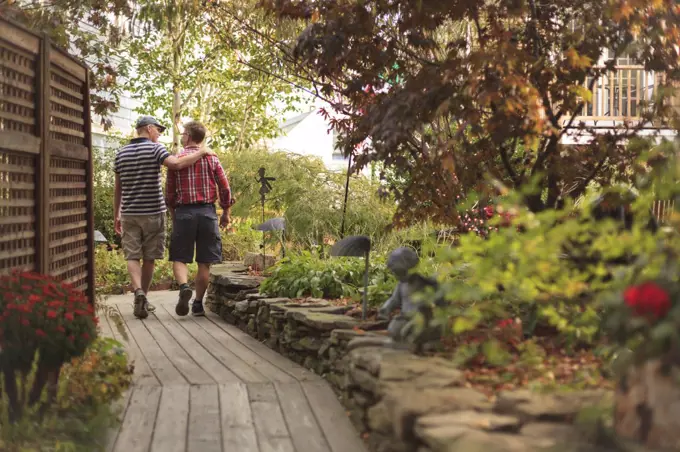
{"x":401,"y":262}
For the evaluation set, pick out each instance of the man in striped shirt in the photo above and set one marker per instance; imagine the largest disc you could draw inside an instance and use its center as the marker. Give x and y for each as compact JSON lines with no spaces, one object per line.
{"x":191,"y":194}
{"x":139,"y":206}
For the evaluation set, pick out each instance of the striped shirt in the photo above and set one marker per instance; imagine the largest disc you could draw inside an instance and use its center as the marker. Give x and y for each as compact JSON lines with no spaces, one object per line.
{"x":138,"y":166}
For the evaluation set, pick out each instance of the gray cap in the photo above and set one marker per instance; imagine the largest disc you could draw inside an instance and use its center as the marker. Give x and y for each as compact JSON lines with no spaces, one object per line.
{"x":149,"y":121}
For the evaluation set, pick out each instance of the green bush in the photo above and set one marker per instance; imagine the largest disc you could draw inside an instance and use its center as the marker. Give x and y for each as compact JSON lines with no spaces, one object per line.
{"x":307,"y":274}
{"x":308,"y":195}
{"x":80,"y":416}
{"x":241,"y":239}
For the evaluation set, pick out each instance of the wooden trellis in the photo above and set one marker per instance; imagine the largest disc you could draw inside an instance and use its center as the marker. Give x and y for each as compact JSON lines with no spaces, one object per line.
{"x":46,"y":210}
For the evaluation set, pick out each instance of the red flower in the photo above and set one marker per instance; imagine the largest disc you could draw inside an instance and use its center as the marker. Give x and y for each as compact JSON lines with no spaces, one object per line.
{"x":34,"y":298}
{"x":505,"y":323}
{"x":40,"y":333}
{"x":85,"y":336}
{"x":68,"y":316}
{"x":52,"y":314}
{"x":647,"y":300}
{"x":25,"y":322}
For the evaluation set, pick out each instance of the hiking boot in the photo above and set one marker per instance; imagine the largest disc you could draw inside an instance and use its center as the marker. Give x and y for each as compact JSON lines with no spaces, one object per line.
{"x":182,"y":307}
{"x":140,"y":305}
{"x":197,"y":309}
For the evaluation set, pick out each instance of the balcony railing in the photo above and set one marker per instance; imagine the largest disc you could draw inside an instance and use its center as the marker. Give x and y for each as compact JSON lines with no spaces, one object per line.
{"x":618,"y":94}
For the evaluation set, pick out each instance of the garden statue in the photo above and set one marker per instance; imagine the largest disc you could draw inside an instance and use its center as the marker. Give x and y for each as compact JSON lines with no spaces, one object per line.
{"x":402,"y":327}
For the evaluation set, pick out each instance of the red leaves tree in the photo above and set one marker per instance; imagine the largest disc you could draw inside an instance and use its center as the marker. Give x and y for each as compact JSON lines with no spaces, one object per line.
{"x":477,"y":88}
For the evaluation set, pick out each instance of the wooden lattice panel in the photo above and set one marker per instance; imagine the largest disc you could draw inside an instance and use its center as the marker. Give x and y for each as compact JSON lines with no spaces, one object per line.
{"x":17,"y":211}
{"x":17,"y":89}
{"x":66,"y":107}
{"x":68,"y":220}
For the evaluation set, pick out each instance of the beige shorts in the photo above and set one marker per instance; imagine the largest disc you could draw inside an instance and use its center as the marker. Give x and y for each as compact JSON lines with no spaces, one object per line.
{"x":143,"y":236}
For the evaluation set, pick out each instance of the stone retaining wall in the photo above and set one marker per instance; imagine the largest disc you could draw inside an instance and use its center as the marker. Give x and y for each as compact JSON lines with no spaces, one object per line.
{"x":399,"y":401}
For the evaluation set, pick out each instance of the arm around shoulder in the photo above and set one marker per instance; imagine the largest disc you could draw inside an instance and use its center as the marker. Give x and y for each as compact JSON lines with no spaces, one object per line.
{"x":175,"y":163}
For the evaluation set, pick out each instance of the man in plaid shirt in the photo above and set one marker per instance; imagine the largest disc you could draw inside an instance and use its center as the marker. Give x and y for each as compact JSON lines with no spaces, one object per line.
{"x":190,"y":195}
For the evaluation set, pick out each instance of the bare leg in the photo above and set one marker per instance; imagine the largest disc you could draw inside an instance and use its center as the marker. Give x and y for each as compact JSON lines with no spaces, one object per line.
{"x":181,"y":272}
{"x":147,"y":274}
{"x":135,"y":270}
{"x":202,"y":280}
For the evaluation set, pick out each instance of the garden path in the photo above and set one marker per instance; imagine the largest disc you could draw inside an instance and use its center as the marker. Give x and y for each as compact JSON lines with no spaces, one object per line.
{"x":201,"y":385}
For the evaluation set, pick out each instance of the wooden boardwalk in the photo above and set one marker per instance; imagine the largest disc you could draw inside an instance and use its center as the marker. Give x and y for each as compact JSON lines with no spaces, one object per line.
{"x":201,"y":385}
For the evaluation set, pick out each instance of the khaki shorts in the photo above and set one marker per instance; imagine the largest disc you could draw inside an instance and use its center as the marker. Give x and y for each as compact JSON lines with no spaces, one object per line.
{"x":143,"y":236}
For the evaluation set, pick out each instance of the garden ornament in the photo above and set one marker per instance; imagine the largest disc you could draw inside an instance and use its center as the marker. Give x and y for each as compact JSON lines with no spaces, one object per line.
{"x":356,"y":246}
{"x":404,"y":326}
{"x":265,"y":188}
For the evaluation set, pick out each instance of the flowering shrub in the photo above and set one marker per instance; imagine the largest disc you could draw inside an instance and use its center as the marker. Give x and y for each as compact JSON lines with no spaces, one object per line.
{"x":43,"y":319}
{"x":80,"y":416}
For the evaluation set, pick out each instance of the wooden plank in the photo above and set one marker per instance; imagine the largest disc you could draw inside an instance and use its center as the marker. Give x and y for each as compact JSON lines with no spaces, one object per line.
{"x":270,"y":427}
{"x":105,"y":328}
{"x":64,"y":199}
{"x":69,"y":151}
{"x":304,"y":429}
{"x":12,"y":140}
{"x":170,"y":432}
{"x":19,"y":37}
{"x":65,"y":117}
{"x":137,"y":428}
{"x":67,"y":268}
{"x":161,"y":366}
{"x":63,"y":185}
{"x":184,"y":363}
{"x":21,"y":252}
{"x":67,"y":63}
{"x":28,"y":120}
{"x":294,"y":370}
{"x":20,"y":68}
{"x":17,"y":202}
{"x":240,"y":369}
{"x":205,"y":434}
{"x":90,"y":192}
{"x":66,"y":240}
{"x":68,"y":226}
{"x":66,"y":131}
{"x":20,"y":169}
{"x":12,"y":236}
{"x":70,"y":253}
{"x":66,"y":90}
{"x":21,"y":219}
{"x":143,"y":375}
{"x":65,"y":75}
{"x":213,"y":367}
{"x":238,"y":431}
{"x":120,"y":406}
{"x":251,"y":358}
{"x":43,"y":174}
{"x":67,"y":212}
{"x":339,"y":431}
{"x":70,"y":171}
{"x":65,"y":103}
{"x":17,"y":185}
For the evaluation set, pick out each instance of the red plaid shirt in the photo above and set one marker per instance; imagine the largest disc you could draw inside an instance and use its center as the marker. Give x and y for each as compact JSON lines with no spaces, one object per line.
{"x":198,"y":184}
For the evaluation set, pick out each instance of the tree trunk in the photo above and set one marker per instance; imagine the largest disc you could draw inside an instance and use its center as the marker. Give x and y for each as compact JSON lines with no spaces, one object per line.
{"x":647,"y":405}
